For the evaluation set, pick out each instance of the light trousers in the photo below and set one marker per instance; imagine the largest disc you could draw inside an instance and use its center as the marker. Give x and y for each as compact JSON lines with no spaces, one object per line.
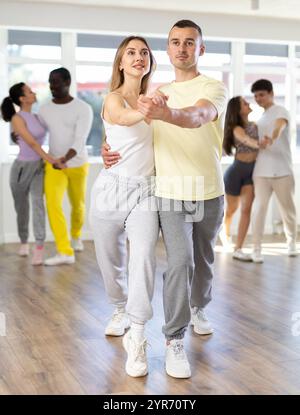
{"x":284,"y":189}
{"x":125,"y":209}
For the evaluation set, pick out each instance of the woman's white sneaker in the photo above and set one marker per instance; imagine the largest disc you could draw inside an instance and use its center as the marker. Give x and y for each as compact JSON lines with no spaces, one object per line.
{"x":118,"y":323}
{"x":177,"y":364}
{"x":225,"y":240}
{"x":136,"y":364}
{"x":241,"y":256}
{"x":200,"y":322}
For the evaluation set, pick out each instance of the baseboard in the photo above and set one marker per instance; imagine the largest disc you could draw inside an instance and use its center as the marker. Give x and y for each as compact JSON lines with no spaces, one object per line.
{"x":13,"y":238}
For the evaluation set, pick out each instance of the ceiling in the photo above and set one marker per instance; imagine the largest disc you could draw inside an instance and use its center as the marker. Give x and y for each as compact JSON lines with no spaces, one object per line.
{"x":285,"y":9}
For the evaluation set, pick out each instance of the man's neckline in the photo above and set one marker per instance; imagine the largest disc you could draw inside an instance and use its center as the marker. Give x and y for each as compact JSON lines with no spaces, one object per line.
{"x":63,"y":103}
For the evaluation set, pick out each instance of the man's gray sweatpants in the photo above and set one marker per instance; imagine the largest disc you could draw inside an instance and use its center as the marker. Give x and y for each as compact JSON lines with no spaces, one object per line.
{"x":124,"y":208}
{"x":27,"y":177}
{"x":189,"y":231}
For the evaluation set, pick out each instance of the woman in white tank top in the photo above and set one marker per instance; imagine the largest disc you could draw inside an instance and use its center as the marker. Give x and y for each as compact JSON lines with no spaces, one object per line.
{"x":123,"y":206}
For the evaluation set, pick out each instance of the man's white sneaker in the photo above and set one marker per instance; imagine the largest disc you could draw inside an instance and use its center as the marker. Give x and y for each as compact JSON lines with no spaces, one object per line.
{"x":118,"y":323}
{"x":136,"y":364}
{"x":241,"y":256}
{"x":60,"y":260}
{"x":77,"y":245}
{"x":200,"y":322}
{"x":292,"y":249}
{"x":177,"y":364}
{"x":257,"y":256}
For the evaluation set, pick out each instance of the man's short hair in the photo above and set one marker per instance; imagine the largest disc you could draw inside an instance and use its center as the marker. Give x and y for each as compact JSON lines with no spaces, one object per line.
{"x":262,"y":85}
{"x":63,"y":72}
{"x":187,"y":23}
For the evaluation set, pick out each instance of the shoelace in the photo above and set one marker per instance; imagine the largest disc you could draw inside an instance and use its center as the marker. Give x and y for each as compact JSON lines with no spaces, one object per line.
{"x":178,"y":350}
{"x":117,"y":317}
{"x":140,"y":351}
{"x":201,"y":315}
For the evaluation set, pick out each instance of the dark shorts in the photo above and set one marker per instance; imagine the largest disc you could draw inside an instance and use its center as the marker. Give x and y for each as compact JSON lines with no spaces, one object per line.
{"x":239,"y":174}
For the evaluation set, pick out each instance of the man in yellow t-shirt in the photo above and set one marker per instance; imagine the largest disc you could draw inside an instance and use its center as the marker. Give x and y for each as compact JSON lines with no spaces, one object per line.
{"x":188,"y":148}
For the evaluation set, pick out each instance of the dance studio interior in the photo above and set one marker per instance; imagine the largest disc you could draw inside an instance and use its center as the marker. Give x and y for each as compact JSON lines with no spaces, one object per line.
{"x":63,"y":328}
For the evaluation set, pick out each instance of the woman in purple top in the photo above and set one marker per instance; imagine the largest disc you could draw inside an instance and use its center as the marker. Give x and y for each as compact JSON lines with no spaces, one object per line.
{"x":27,"y":172}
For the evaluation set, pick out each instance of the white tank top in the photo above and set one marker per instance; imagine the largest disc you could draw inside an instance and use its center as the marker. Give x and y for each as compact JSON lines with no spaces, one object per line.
{"x":135,"y":145}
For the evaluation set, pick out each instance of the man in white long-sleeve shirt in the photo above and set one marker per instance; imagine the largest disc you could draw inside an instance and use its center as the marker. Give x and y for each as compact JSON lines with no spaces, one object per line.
{"x":69,"y":122}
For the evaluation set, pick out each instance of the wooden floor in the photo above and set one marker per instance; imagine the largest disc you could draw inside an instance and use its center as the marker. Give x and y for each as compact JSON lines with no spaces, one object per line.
{"x":55,"y":319}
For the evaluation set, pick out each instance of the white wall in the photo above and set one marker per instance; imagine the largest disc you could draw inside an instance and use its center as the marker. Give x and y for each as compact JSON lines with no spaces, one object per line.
{"x":109,"y":20}
{"x":2,"y":198}
{"x":9,"y":231}
{"x":133,"y":20}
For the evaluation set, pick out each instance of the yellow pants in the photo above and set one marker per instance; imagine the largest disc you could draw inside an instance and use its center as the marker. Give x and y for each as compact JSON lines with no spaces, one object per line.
{"x":72,"y":179}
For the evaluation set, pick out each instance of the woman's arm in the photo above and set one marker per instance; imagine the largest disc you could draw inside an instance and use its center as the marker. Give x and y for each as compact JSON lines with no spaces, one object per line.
{"x":19,"y":128}
{"x":240,"y":134}
{"x":115,"y":111}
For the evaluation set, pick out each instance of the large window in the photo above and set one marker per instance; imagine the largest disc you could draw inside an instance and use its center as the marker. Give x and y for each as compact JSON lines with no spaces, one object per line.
{"x":94,"y":58}
{"x":279,"y":85}
{"x":266,"y":61}
{"x":91,"y":87}
{"x":33,"y":54}
{"x":297,"y":53}
{"x":34,"y":74}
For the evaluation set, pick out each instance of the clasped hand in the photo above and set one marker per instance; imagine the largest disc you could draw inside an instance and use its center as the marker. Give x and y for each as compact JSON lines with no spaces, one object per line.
{"x":265,"y":142}
{"x":153,"y":107}
{"x":60,"y":163}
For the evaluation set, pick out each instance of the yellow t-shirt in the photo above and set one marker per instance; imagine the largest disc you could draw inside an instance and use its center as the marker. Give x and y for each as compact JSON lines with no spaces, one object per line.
{"x":187,"y":160}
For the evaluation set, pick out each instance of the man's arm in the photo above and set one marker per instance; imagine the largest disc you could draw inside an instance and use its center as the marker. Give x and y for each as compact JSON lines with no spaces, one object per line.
{"x":202,"y":112}
{"x":82,"y":129}
{"x":280,"y":125}
{"x":109,"y":157}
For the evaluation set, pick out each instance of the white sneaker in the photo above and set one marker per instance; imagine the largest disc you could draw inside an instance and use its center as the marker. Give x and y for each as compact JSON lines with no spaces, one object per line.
{"x":292,"y":249}
{"x":136,"y":364}
{"x":241,"y":256}
{"x":177,"y":364}
{"x":60,"y":260}
{"x":118,"y":323}
{"x":77,"y":245}
{"x":257,"y":256}
{"x":225,"y":240}
{"x":200,"y":322}
{"x":24,"y":250}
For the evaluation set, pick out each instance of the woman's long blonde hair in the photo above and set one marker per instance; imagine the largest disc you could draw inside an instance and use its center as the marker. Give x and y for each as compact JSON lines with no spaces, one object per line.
{"x":117,"y":78}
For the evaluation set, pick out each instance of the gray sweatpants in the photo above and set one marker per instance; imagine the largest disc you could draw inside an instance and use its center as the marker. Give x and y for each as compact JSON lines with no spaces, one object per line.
{"x":189,"y":231}
{"x":27,"y":177}
{"x":125,"y":208}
